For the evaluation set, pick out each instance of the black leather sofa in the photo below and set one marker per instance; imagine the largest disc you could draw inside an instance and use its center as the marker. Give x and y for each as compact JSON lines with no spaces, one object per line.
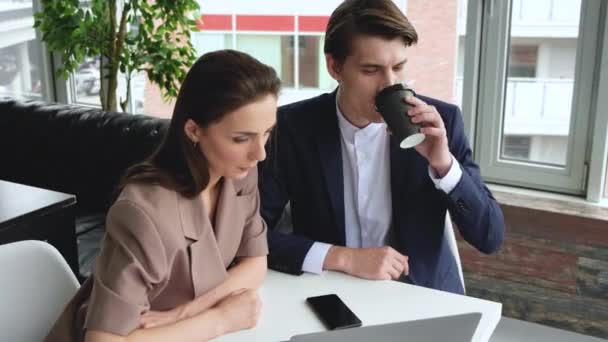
{"x":77,"y":150}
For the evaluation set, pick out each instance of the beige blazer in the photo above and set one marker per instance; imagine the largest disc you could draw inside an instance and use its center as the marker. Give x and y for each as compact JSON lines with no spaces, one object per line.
{"x":160,"y":250}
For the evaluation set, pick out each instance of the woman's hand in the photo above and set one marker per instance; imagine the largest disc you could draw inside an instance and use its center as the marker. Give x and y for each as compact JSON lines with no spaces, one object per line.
{"x":248,"y":272}
{"x":152,"y":319}
{"x":241,"y":310}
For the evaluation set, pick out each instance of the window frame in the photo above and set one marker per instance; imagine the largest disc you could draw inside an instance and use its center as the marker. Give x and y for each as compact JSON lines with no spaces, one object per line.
{"x":484,"y":82}
{"x":599,"y":139}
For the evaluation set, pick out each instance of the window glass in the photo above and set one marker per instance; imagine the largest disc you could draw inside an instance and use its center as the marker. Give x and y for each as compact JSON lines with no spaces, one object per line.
{"x":21,"y":69}
{"x":540,"y":78}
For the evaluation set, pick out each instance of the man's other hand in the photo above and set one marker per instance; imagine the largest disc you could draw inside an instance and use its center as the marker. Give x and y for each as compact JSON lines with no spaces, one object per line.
{"x":380,"y":263}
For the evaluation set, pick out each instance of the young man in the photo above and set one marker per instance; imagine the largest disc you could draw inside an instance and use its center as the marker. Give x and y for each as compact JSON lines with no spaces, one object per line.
{"x":360,"y":204}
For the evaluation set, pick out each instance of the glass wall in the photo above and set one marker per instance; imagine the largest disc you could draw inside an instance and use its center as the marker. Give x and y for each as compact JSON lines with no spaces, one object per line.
{"x":21,"y":68}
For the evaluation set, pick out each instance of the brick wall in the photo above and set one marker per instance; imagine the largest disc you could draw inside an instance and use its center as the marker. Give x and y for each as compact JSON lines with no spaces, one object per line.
{"x":431,"y":66}
{"x":552,"y":269}
{"x":154,"y":104}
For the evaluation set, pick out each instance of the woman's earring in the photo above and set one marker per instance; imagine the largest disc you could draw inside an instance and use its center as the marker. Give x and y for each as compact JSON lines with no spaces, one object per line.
{"x":195,"y":145}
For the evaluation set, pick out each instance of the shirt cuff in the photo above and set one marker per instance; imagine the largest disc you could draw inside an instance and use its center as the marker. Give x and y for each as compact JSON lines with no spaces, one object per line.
{"x":313,"y":262}
{"x":450,"y":180}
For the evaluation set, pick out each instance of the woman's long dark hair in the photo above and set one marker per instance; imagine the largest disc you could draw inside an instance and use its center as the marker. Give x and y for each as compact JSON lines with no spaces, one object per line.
{"x":218,"y":83}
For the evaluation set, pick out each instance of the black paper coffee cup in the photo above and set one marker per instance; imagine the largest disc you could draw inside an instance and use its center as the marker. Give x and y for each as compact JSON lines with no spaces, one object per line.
{"x":390,"y":103}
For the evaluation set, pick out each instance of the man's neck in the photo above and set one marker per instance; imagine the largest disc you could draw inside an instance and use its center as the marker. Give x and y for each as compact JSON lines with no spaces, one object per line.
{"x":350,"y":114}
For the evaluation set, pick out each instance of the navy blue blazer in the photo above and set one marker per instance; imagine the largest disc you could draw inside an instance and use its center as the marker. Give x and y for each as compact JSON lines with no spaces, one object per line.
{"x":304,"y":166}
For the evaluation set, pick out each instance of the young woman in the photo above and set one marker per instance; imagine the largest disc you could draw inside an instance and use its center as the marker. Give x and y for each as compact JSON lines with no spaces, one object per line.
{"x":185,"y":248}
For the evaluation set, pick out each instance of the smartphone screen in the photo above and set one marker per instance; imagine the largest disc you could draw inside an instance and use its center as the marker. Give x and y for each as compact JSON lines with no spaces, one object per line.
{"x":333,"y":312}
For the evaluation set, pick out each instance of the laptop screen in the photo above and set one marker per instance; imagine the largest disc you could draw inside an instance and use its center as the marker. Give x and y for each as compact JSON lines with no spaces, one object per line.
{"x":457,"y":328}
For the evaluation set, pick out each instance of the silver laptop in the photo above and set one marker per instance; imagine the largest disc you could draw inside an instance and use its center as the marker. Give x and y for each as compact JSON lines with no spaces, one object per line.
{"x":457,"y":328}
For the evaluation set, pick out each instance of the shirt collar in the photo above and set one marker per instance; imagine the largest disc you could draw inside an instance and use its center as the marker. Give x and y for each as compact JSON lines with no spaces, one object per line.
{"x":348,"y":130}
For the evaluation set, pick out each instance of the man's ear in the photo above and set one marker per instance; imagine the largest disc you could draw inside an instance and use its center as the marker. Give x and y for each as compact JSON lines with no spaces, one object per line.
{"x":334,"y":68}
{"x":192,"y":130}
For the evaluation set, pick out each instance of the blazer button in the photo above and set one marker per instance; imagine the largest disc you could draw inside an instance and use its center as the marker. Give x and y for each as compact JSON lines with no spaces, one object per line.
{"x":462,"y":205}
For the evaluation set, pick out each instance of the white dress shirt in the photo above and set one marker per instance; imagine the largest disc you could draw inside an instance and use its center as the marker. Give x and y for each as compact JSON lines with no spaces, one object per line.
{"x":367,"y":189}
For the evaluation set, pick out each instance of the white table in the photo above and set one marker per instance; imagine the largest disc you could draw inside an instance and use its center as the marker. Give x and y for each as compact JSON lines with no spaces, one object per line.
{"x":285,"y":312}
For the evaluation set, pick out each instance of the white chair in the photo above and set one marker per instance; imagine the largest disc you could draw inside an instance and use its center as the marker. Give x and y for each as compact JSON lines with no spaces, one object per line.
{"x":35,"y":285}
{"x":451,"y":239}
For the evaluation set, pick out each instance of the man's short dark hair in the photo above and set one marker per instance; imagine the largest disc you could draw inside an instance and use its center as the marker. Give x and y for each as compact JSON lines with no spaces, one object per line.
{"x":381,"y":18}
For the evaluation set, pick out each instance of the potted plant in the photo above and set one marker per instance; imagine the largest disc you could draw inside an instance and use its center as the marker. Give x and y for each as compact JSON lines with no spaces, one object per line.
{"x":126,"y":36}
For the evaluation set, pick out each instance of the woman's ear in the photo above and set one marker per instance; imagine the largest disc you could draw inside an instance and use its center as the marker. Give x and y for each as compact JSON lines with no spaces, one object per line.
{"x":192,"y":130}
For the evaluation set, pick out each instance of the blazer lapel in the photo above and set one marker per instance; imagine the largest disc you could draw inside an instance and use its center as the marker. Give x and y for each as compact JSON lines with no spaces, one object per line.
{"x":329,"y":149}
{"x":206,"y":262}
{"x":230,"y":216}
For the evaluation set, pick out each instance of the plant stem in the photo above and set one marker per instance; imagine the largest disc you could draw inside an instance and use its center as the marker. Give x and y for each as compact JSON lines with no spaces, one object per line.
{"x":102,"y":83}
{"x":124,"y":104}
{"x":110,"y":91}
{"x":117,"y":50}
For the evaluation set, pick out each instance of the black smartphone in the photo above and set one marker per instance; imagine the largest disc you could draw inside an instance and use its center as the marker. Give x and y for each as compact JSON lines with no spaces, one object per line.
{"x":333,"y":312}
